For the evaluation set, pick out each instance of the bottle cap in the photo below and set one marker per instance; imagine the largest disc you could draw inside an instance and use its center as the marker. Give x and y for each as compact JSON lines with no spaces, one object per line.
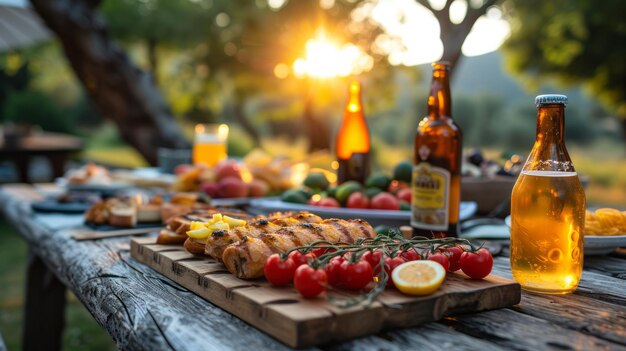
{"x":550,"y":99}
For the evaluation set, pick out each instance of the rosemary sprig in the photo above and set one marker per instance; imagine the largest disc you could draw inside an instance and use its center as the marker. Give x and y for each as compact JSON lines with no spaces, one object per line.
{"x":390,"y":243}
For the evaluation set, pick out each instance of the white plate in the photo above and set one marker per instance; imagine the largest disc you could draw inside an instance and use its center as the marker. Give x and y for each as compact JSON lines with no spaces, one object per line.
{"x":596,"y":245}
{"x":374,"y":217}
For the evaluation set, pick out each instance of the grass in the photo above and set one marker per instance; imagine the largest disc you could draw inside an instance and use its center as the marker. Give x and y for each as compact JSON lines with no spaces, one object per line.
{"x":82,"y":332}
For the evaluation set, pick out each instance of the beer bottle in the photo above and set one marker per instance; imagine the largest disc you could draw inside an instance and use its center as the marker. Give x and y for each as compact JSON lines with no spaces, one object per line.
{"x":353,"y":140}
{"x":548,"y":209}
{"x":436,"y":181}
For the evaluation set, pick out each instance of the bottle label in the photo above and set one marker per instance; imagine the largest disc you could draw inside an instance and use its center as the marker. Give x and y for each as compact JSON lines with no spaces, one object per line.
{"x":357,"y":167}
{"x":430,"y":204}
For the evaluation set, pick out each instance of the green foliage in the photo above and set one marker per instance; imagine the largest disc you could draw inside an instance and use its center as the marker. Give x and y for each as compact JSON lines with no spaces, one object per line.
{"x":37,"y":108}
{"x":572,"y":42}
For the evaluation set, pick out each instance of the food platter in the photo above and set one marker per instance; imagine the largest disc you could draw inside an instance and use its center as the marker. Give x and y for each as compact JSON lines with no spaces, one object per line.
{"x":374,"y":217}
{"x":594,"y":244}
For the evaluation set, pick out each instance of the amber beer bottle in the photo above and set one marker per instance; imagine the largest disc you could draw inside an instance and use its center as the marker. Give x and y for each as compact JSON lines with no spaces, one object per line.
{"x":436,"y":181}
{"x":353,"y":140}
{"x":548,"y":209}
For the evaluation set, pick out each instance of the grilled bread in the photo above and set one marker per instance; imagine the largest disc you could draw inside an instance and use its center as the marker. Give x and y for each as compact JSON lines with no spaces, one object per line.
{"x":245,"y":259}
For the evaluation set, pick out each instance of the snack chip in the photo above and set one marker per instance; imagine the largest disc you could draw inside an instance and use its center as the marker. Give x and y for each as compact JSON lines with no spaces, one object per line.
{"x":605,"y":221}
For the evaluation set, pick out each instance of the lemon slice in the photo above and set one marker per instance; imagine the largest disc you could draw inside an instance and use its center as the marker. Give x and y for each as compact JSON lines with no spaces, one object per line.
{"x":418,"y":277}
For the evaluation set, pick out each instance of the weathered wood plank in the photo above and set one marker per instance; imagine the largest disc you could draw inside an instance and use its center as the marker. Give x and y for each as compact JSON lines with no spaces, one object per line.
{"x":518,"y":331}
{"x":592,"y":284}
{"x":429,"y":337}
{"x":589,"y":316}
{"x":611,"y":266}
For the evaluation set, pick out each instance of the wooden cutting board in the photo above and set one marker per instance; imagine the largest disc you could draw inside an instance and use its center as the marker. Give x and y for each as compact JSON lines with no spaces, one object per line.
{"x":299,"y":322}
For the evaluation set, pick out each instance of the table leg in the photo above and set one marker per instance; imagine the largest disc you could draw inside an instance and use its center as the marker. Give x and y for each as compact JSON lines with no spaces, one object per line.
{"x":21,"y":164}
{"x":57,"y":161}
{"x":44,"y":312}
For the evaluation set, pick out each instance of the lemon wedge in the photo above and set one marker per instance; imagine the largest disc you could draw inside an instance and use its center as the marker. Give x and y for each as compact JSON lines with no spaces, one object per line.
{"x":418,"y":277}
{"x":201,"y":233}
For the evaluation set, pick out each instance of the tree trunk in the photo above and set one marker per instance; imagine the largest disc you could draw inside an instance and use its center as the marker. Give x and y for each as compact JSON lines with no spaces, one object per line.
{"x":118,"y":89}
{"x":153,"y":60}
{"x":240,"y":115}
{"x":453,"y":35}
{"x":317,"y":131}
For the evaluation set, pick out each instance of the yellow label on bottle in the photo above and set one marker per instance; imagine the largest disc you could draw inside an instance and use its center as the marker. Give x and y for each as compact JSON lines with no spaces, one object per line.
{"x":430,"y":188}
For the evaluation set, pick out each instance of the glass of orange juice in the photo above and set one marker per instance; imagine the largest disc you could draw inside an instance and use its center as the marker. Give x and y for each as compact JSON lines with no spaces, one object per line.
{"x":209,"y":147}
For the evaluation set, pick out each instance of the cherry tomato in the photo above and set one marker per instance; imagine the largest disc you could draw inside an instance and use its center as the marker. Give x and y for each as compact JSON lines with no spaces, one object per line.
{"x":397,"y":185}
{"x":328,"y":202}
{"x":319,"y":252}
{"x":477,"y":265}
{"x":410,"y":255}
{"x":454,"y":255}
{"x":299,"y":258}
{"x":333,"y":269}
{"x":357,"y":200}
{"x":404,"y":194}
{"x":355,"y":276}
{"x":278,"y":271}
{"x":385,"y":201}
{"x":374,"y":258}
{"x":441,"y":259}
{"x":313,"y":202}
{"x":309,"y":281}
{"x":390,"y":265}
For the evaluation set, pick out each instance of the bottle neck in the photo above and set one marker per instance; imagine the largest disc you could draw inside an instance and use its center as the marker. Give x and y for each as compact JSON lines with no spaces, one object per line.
{"x":439,"y":99}
{"x":354,"y":107}
{"x":550,"y":124}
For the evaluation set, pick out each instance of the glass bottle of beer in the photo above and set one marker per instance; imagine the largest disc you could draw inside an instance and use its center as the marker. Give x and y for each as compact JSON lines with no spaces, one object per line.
{"x":436,"y":181}
{"x":353,"y":140}
{"x":548,"y":209}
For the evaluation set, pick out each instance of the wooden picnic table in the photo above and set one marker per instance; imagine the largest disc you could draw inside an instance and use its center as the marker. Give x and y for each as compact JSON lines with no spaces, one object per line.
{"x":56,"y":147}
{"x":143,"y":310}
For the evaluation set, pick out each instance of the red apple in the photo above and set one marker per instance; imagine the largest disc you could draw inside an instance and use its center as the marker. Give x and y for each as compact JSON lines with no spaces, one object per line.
{"x":228,"y":168}
{"x":232,"y":187}
{"x":258,"y":188}
{"x":211,"y":189}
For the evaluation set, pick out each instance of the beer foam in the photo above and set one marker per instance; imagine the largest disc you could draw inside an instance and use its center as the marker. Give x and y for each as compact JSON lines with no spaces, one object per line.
{"x":549,"y":173}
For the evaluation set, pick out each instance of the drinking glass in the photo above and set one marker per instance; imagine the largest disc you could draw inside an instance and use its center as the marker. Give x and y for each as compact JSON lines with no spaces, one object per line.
{"x":209,"y":147}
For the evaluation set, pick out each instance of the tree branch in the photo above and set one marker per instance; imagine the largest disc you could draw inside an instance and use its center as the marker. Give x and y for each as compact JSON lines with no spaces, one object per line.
{"x":426,"y":4}
{"x":473,"y":14}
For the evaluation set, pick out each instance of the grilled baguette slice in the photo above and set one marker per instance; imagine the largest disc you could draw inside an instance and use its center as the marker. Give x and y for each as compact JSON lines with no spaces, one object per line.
{"x":218,"y":241}
{"x":245,"y":259}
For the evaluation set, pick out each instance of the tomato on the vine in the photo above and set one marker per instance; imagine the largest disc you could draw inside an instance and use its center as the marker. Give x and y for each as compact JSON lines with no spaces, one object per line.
{"x":454,"y":255}
{"x":278,"y":271}
{"x":319,"y":252}
{"x":390,"y":265}
{"x":333,"y":271}
{"x":309,"y":281}
{"x":477,"y":265}
{"x":441,"y":259}
{"x":410,"y":255}
{"x":299,"y":258}
{"x":374,"y":258}
{"x":355,"y":275}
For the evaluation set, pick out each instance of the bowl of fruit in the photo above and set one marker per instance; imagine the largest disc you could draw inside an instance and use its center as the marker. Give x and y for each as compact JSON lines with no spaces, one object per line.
{"x":236,"y":182}
{"x":382,"y":200}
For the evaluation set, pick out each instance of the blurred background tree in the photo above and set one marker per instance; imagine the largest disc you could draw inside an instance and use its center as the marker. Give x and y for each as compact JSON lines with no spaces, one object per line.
{"x":571,"y":42}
